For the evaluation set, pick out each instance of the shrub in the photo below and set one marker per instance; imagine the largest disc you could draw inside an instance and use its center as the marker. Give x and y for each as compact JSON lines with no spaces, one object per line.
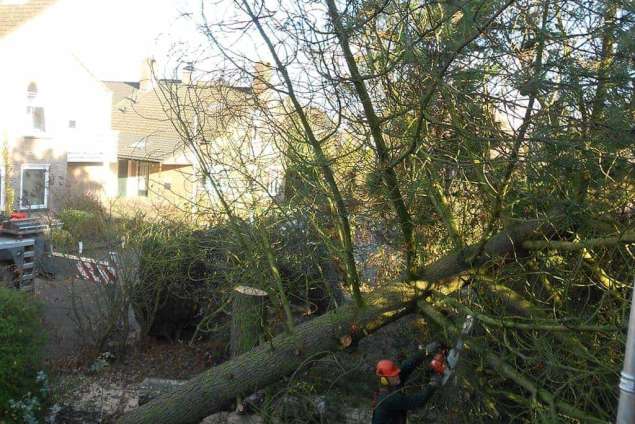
{"x":21,"y":339}
{"x":179,"y":271}
{"x":186,"y":274}
{"x":81,"y":224}
{"x":85,"y":202}
{"x":62,"y":239}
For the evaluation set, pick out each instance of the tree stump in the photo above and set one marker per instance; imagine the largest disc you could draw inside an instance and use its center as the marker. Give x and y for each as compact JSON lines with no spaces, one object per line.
{"x":248,"y":319}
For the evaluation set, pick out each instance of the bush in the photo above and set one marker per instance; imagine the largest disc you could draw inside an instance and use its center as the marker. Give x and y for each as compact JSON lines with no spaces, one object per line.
{"x":21,"y":339}
{"x":180,"y":272}
{"x":186,"y":274}
{"x":85,"y":202}
{"x":83,"y":225}
{"x":62,"y":239}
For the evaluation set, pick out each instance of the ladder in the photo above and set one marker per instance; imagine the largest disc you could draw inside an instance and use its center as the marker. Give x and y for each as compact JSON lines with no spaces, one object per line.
{"x":26,"y":274}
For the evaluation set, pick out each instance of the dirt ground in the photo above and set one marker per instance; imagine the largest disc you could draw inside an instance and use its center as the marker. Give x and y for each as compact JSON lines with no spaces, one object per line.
{"x":82,"y":383}
{"x":67,"y":349}
{"x":56,"y":297}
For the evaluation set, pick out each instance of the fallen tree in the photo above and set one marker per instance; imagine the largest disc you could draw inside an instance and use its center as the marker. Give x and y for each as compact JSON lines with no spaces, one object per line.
{"x":509,"y":372}
{"x":213,"y":389}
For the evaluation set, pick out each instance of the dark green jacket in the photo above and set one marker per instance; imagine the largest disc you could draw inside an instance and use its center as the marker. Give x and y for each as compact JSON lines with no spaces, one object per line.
{"x":391,"y":405}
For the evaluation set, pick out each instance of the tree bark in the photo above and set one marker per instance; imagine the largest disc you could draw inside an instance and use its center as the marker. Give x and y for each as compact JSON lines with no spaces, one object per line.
{"x":248,"y":316}
{"x":500,"y":244}
{"x":268,"y":363}
{"x":626,"y":238}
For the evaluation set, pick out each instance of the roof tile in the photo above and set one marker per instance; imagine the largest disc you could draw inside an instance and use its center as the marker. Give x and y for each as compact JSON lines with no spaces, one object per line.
{"x":13,"y":16}
{"x":142,"y":118}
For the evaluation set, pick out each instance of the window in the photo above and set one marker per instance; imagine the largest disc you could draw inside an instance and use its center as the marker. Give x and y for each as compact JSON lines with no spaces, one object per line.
{"x":133,"y":177}
{"x":143,"y":178}
{"x":139,"y":144}
{"x":275,"y":185}
{"x":122,"y":177}
{"x":34,"y":110}
{"x":34,"y":182}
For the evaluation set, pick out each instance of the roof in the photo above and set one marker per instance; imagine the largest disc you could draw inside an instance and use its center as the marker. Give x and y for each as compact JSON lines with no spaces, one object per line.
{"x":121,"y":90}
{"x":142,"y":118}
{"x":15,"y":15}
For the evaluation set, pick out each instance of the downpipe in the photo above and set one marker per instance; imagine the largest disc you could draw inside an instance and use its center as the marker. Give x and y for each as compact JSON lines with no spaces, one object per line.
{"x":626,"y":406}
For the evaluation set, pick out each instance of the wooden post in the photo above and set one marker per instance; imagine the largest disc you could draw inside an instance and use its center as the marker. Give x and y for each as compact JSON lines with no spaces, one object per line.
{"x":248,"y":317}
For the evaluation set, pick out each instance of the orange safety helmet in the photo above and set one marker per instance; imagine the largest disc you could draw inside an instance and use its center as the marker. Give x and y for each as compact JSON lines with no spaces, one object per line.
{"x":387,"y":368}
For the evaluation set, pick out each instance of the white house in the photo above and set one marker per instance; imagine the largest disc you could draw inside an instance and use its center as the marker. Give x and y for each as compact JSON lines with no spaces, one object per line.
{"x":55,"y":120}
{"x":65,"y":132}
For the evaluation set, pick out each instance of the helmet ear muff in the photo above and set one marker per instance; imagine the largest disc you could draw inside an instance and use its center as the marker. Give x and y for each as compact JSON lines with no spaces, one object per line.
{"x":384,"y":381}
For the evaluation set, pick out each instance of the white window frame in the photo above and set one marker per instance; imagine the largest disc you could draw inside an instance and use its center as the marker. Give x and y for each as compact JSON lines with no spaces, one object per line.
{"x":140,"y":144}
{"x":34,"y":101}
{"x":27,"y":166}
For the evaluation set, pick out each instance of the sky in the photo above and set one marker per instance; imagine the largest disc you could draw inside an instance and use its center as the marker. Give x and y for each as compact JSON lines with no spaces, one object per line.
{"x":112,"y":38}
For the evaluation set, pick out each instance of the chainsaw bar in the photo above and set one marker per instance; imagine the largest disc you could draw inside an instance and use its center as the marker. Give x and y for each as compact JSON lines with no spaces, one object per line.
{"x":452,"y":358}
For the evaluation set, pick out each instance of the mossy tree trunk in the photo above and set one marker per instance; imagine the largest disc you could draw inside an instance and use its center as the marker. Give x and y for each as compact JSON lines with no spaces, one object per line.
{"x":248,"y":318}
{"x":269,"y":362}
{"x":248,"y":322}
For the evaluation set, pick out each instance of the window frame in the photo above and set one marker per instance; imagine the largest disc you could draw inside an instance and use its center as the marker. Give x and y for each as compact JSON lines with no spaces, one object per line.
{"x":34,"y":166}
{"x":33,"y":104}
{"x":146,"y":178}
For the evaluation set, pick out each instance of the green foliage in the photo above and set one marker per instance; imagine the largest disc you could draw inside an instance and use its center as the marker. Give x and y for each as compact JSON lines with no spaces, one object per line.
{"x":21,"y":340}
{"x":62,"y":239}
{"x":174,"y":277}
{"x":83,"y":225}
{"x":186,"y":274}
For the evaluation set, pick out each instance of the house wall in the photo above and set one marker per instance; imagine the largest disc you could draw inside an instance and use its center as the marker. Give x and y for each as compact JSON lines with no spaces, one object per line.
{"x":67,"y":92}
{"x":168,"y":185}
{"x":35,"y":151}
{"x":248,"y":174}
{"x":172,"y":184}
{"x":96,"y":179}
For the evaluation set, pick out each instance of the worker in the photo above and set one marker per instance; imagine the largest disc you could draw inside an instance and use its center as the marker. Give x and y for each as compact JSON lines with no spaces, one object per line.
{"x":391,"y":404}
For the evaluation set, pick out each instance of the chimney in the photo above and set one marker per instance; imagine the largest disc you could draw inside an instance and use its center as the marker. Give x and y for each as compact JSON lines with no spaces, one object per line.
{"x":146,"y":82}
{"x":262,"y":77}
{"x":186,"y":74}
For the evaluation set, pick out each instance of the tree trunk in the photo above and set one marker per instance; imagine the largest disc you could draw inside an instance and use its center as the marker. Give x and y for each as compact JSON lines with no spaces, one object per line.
{"x":248,"y":322}
{"x":268,"y":363}
{"x":248,"y":317}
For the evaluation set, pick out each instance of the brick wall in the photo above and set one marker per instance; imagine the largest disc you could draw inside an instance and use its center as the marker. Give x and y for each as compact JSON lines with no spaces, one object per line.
{"x":36,"y":151}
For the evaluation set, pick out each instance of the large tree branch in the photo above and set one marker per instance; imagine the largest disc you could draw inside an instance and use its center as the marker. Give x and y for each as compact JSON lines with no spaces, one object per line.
{"x":504,"y":242}
{"x":344,"y":228}
{"x":506,"y":370}
{"x":267,"y":364}
{"x":626,"y":238}
{"x":388,"y":173}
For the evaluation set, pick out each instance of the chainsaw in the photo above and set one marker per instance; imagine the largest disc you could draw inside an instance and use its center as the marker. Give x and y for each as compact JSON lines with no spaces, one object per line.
{"x":444,"y":362}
